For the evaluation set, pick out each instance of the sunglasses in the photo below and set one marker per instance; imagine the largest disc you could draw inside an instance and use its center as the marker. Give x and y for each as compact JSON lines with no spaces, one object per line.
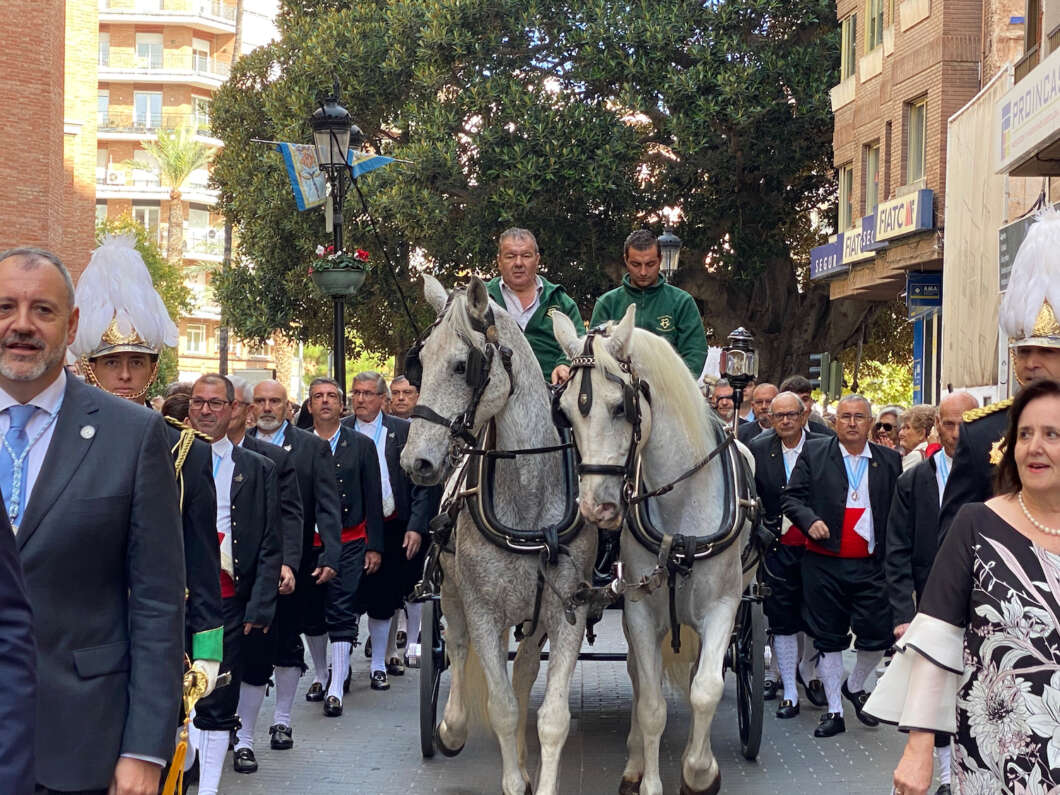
{"x":885,"y":426}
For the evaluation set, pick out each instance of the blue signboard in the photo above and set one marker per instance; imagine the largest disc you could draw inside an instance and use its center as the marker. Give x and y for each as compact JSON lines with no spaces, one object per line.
{"x":923,"y":292}
{"x":905,"y":215}
{"x":918,"y":360}
{"x":827,"y":260}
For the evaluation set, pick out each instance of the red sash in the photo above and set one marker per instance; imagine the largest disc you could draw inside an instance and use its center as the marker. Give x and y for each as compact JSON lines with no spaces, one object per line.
{"x":851,"y":545}
{"x":348,"y":534}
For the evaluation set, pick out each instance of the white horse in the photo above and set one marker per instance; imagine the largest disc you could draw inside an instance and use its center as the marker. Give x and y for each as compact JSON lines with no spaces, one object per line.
{"x":677,"y":433}
{"x":486,"y":590}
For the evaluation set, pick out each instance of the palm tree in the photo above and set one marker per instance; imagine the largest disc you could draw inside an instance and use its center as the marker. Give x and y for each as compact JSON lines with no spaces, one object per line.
{"x":178,"y":155}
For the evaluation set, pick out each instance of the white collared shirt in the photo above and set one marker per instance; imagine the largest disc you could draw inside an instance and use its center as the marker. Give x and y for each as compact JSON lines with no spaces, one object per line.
{"x":276,"y":437}
{"x":48,"y":401}
{"x":514,"y":304}
{"x":376,"y":431}
{"x":864,"y":526}
{"x":223,"y":467}
{"x":791,"y":455}
{"x":941,"y":456}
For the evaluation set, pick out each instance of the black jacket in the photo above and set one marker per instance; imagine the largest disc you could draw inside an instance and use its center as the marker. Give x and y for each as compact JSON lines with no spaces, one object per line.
{"x":972,"y":476}
{"x":320,"y":493}
{"x":257,"y":546}
{"x":769,"y":471}
{"x":18,"y":672}
{"x":748,"y":431}
{"x":912,"y":538}
{"x":356,"y":468}
{"x":290,"y":497}
{"x":817,"y":489}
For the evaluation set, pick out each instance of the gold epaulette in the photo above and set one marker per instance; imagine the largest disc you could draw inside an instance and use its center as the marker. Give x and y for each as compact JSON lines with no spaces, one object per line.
{"x":986,"y":411}
{"x":180,"y":426}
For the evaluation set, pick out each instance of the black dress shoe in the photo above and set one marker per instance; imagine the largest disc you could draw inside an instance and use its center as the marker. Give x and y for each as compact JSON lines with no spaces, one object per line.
{"x":814,"y":690}
{"x":832,"y":723}
{"x":332,"y":707}
{"x":315,"y":692}
{"x":402,"y":639}
{"x":368,"y":648}
{"x":243,"y":761}
{"x":787,"y":710}
{"x":379,"y":681}
{"x":282,"y":737}
{"x":769,"y":690}
{"x":395,"y":667}
{"x":858,"y":699}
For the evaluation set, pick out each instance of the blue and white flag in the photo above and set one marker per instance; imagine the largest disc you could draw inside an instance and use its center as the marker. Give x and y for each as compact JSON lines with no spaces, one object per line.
{"x":308,"y":182}
{"x":363,"y":162}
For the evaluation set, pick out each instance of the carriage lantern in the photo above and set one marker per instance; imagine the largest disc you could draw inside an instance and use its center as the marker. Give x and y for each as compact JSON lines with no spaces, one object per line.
{"x":739,"y":365}
{"x":670,"y":246}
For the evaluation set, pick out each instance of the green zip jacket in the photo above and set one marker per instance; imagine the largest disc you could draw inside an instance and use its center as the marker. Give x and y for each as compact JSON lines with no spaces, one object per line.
{"x":539,"y":330}
{"x":662,"y":309}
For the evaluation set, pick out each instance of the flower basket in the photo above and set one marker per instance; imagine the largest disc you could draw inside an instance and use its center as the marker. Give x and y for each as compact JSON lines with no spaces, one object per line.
{"x":339,"y":274}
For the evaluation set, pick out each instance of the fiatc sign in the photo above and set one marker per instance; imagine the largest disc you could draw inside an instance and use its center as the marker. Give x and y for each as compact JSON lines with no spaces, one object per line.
{"x":905,"y":215}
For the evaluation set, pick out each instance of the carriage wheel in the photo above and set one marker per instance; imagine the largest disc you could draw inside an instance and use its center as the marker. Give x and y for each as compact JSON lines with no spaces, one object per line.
{"x":432,"y":663}
{"x":749,"y":665}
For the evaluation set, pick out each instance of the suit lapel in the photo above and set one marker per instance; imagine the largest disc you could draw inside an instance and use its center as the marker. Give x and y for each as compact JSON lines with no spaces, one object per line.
{"x":777,"y":473}
{"x":878,"y":492}
{"x":65,"y":452}
{"x":837,"y":462}
{"x":239,"y":476}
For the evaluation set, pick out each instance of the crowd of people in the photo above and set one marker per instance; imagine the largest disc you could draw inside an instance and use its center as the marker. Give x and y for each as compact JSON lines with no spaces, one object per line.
{"x":232,"y":531}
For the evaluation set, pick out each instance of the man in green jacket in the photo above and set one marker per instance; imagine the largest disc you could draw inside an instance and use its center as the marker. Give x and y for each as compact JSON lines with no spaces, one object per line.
{"x":662,"y":308}
{"x":531,"y":300}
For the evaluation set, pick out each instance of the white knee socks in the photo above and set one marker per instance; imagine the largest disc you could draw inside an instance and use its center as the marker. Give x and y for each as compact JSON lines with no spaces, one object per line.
{"x":213,"y":748}
{"x":415,"y":612}
{"x":863,"y":666}
{"x":250,"y":700}
{"x":830,"y":669}
{"x":286,"y":685}
{"x":318,"y":650}
{"x":808,"y":661}
{"x":786,"y":654}
{"x":391,"y":638}
{"x":943,"y":760}
{"x":340,"y":665}
{"x":379,"y":631}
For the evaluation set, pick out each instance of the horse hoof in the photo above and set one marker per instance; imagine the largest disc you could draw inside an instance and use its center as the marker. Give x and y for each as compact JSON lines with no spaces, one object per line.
{"x":446,"y":750}
{"x":712,"y":789}
{"x":628,"y":787}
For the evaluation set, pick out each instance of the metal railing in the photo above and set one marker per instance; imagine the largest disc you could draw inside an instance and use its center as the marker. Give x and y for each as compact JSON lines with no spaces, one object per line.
{"x":1025,"y":65}
{"x":204,"y":8}
{"x":148,"y":124}
{"x":172,"y":62}
{"x":1054,"y":39}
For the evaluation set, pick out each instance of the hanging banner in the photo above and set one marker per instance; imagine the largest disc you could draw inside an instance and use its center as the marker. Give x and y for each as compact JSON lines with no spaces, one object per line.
{"x":363,"y":162}
{"x":308,"y":182}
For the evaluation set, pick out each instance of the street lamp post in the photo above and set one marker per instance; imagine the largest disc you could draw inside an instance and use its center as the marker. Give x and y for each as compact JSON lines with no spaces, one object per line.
{"x":739,"y":366}
{"x":333,"y":129}
{"x":670,"y":246}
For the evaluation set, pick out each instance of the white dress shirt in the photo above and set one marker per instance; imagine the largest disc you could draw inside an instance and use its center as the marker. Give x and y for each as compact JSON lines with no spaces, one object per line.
{"x":223,"y":468}
{"x":48,"y":401}
{"x":864,"y":526}
{"x":376,"y":431}
{"x":515,"y":307}
{"x":276,"y":437}
{"x":943,"y":465}
{"x":791,"y":455}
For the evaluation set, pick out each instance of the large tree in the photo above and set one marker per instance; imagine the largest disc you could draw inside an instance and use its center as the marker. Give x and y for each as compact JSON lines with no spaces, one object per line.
{"x":580,"y":120}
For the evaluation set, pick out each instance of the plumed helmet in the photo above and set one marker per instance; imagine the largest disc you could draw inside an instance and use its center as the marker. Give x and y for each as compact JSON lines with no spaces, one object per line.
{"x":1028,"y":309}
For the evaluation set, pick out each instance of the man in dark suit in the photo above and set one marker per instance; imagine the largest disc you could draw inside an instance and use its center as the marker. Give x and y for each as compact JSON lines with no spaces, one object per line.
{"x":251,"y":545}
{"x":18,"y":672}
{"x":761,"y":398}
{"x":839,"y":495}
{"x":776,"y":452}
{"x":88,"y":483}
{"x":407,"y":510}
{"x":801,"y":386}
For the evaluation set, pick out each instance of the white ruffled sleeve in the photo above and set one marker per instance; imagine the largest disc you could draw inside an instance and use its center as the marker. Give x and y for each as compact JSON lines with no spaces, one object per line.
{"x":919,"y":689}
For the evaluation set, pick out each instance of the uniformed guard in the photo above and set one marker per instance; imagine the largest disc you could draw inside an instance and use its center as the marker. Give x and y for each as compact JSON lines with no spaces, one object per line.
{"x":122,"y":329}
{"x":1028,"y":318}
{"x":662,"y":309}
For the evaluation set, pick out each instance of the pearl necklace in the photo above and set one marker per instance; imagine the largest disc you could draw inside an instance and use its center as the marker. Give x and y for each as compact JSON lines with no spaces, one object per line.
{"x":1053,"y":531}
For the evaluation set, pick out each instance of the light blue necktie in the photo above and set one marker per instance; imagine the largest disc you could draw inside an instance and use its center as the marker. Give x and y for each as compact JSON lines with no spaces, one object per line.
{"x":15,"y":443}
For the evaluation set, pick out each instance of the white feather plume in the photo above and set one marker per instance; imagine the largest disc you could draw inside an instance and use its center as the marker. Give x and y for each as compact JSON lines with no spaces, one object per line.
{"x":117,"y":284}
{"x":1035,"y":276}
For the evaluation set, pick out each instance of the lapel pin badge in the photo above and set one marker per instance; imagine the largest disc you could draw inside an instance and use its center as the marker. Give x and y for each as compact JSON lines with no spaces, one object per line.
{"x":88,"y":432}
{"x":238,"y":478}
{"x":287,"y":447}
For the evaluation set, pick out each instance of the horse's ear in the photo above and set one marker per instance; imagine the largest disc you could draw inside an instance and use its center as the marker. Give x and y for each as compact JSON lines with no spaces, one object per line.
{"x":622,"y":334}
{"x":566,"y":333}
{"x":434,"y":293}
{"x":478,"y":300}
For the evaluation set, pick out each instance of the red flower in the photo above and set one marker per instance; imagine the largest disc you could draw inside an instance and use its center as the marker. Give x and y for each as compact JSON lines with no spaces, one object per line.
{"x":329,"y":249}
{"x":361,"y":255}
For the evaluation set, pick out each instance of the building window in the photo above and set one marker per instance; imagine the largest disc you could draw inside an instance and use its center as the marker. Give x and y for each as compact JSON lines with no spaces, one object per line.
{"x":201,"y":115}
{"x":254,"y":349}
{"x":872,"y":178}
{"x":147,"y":217}
{"x":104,"y":48}
{"x":149,"y":50}
{"x":200,"y":55}
{"x":103,"y":108}
{"x":846,"y":197}
{"x":848,"y":32}
{"x":147,"y":109}
{"x":101,"y":212}
{"x":916,"y":140}
{"x":1032,"y":27}
{"x":196,"y":338}
{"x":874,"y":28}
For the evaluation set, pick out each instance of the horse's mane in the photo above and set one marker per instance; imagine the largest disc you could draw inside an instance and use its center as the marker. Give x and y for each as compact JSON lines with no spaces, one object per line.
{"x":673,"y":389}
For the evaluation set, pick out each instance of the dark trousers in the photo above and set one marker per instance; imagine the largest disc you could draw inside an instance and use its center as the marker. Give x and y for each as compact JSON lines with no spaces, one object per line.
{"x":841,"y":594}
{"x":782,"y":572}
{"x":217,"y":712}
{"x":281,"y":646}
{"x":340,"y":613}
{"x":312,"y":599}
{"x":382,"y":593}
{"x":40,"y":790}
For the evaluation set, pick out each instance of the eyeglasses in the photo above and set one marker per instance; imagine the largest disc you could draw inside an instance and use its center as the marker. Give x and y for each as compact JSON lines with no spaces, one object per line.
{"x":215,"y":404}
{"x":785,"y":415}
{"x":357,"y":393}
{"x":853,"y":417}
{"x":884,"y":426}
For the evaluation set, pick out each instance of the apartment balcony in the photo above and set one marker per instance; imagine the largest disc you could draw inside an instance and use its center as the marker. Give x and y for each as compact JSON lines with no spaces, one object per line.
{"x":1025,"y":65}
{"x":116,"y":182}
{"x":116,"y":126}
{"x":173,"y":68}
{"x":211,"y":16}
{"x":203,"y":244}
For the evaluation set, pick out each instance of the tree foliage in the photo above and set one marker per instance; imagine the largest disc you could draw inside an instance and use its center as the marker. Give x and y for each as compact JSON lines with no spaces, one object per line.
{"x":179,"y":155}
{"x":579,"y":120}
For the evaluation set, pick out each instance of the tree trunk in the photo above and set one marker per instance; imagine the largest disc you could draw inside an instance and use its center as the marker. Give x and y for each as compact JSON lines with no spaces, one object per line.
{"x":175,"y":238}
{"x":226,"y":263}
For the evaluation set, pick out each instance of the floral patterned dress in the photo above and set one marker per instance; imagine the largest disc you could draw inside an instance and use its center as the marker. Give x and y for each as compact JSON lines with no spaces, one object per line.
{"x":1005,"y":591}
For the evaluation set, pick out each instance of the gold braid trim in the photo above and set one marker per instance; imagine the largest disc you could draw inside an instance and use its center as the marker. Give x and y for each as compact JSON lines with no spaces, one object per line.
{"x":180,"y":452}
{"x":985,"y":411}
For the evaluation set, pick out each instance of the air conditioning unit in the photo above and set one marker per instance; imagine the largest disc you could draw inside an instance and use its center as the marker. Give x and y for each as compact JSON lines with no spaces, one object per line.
{"x":115,"y":178}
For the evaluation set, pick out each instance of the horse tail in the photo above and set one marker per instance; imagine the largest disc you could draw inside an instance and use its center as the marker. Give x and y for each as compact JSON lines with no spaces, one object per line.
{"x":679,"y":667}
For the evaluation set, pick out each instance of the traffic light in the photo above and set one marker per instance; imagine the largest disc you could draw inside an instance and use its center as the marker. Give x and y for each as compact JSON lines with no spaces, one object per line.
{"x":819,"y":371}
{"x":835,"y":380}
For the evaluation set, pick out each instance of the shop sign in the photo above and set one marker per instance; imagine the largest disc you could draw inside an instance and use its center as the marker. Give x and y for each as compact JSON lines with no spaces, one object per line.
{"x":1028,"y":116}
{"x":827,"y":260}
{"x":905,"y":215}
{"x":923,"y":292}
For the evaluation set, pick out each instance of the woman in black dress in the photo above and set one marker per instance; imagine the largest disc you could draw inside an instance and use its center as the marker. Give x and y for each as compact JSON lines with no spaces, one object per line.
{"x":981,"y":660}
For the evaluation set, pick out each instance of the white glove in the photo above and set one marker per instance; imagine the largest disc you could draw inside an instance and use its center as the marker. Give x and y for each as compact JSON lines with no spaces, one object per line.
{"x":209,"y":669}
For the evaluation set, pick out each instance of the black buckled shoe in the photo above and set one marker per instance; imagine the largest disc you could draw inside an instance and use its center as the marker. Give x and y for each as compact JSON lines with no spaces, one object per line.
{"x":769,"y":690}
{"x":832,"y":723}
{"x":332,"y":707}
{"x":315,"y":692}
{"x":814,"y":690}
{"x":243,"y":761}
{"x":787,"y":710}
{"x":282,"y":737}
{"x":858,"y":699}
{"x":395,"y":667}
{"x":379,"y":681}
{"x":402,"y":639}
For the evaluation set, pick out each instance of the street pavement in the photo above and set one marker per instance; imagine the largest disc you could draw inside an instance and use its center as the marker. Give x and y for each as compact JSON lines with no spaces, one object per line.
{"x":374,"y":746}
